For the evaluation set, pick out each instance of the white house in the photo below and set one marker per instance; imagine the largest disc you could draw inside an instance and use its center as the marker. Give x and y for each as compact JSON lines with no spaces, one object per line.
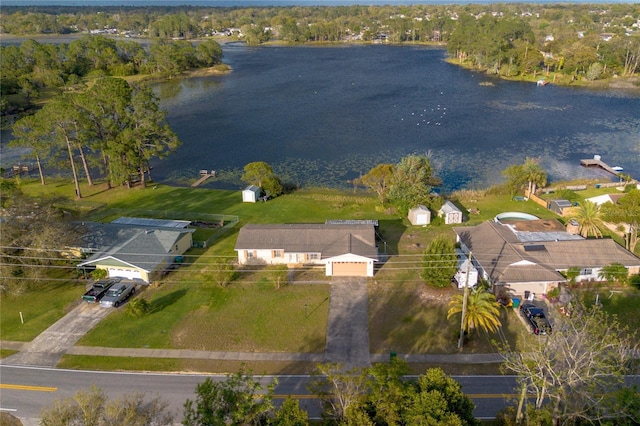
{"x":420,"y":215}
{"x":250,"y":194}
{"x":450,"y":213}
{"x":605,"y":198}
{"x":344,"y":249}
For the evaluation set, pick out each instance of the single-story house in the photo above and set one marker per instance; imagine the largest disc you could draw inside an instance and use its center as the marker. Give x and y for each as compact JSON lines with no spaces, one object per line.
{"x":344,"y":249}
{"x":420,"y":215}
{"x":531,"y":255}
{"x":250,"y":194}
{"x":560,"y":207}
{"x":605,"y":198}
{"x":133,"y":252}
{"x":450,"y":213}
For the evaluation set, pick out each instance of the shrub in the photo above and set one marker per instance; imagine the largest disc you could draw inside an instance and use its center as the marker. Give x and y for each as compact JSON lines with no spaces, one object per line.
{"x":138,"y":307}
{"x":635,"y":281}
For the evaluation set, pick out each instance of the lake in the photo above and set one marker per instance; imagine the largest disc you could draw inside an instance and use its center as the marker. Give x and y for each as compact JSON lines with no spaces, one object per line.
{"x":321,"y":116}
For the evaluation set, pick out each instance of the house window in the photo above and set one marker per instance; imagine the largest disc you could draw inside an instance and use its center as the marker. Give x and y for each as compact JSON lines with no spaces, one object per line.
{"x":313,"y":256}
{"x":586,"y":271}
{"x":277,"y":253}
{"x":248,"y":254}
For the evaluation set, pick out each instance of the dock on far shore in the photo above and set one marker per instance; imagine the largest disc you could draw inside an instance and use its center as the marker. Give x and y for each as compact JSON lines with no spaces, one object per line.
{"x":204,"y":175}
{"x":597,"y":162}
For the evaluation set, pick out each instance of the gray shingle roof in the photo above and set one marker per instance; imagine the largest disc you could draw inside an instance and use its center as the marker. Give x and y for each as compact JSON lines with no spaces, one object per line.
{"x":509,"y":257}
{"x":143,"y":248}
{"x":328,"y":239}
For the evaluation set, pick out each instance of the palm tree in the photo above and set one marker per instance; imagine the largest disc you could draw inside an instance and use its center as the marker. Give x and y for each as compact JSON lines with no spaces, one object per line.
{"x":483,"y":311}
{"x":534,"y":174}
{"x":588,"y":218}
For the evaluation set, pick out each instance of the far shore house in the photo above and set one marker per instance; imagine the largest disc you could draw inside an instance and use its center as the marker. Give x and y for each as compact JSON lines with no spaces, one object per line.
{"x":141,"y":249}
{"x":344,"y":249}
{"x":450,"y":213}
{"x":530,"y":255}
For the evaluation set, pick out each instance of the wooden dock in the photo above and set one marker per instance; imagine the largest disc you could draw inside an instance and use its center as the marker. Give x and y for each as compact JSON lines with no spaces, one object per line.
{"x":594,"y":162}
{"x":20,"y":169}
{"x":204,"y":175}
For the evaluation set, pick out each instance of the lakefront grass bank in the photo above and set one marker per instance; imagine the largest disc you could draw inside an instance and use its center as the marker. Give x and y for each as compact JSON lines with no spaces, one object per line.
{"x":188,"y":311}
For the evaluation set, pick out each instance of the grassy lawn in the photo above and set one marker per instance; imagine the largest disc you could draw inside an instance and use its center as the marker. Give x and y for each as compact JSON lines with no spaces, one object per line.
{"x":409,"y":317}
{"x":40,"y":308}
{"x":250,"y":314}
{"x":83,"y":362}
{"x":237,"y":318}
{"x":189,"y":311}
{"x":622,"y":302}
{"x":6,"y":352}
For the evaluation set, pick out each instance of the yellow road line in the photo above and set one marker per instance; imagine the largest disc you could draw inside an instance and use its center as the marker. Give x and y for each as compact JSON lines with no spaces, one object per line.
{"x":28,"y":388}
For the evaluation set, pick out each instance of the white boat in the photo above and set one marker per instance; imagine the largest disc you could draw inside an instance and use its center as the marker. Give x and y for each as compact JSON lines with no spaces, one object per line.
{"x":617,"y":168}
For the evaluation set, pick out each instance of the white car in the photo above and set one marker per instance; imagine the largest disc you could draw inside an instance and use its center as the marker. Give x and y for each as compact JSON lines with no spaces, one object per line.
{"x":118,"y":294}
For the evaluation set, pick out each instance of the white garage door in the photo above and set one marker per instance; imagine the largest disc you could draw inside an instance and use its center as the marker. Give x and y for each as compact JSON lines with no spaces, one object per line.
{"x":349,"y":269}
{"x":124,"y":273}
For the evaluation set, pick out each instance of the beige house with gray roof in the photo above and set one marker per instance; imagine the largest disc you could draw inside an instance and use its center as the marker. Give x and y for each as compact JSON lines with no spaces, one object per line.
{"x":532,"y":255}
{"x":343,"y":249}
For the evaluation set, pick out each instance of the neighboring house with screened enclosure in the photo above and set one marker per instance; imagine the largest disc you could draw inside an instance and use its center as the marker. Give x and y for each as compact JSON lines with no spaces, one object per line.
{"x":533,"y":255}
{"x":140,"y":249}
{"x":344,"y":249}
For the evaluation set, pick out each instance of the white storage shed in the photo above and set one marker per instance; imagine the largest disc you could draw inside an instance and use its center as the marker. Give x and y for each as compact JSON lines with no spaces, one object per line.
{"x":250,"y":194}
{"x":420,"y":215}
{"x":450,"y":213}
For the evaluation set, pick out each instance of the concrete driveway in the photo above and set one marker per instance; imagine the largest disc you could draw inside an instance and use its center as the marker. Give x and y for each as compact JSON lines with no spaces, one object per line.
{"x":348,"y":324}
{"x":47,"y":349}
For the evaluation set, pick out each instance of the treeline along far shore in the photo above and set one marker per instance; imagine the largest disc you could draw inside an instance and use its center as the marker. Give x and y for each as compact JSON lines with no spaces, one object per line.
{"x":564,"y":43}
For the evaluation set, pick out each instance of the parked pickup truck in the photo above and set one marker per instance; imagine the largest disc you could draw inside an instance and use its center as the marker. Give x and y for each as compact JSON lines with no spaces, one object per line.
{"x":118,"y":294}
{"x":98,"y":289}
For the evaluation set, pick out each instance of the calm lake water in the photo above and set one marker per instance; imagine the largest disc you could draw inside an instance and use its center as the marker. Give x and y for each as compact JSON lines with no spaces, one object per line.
{"x":324,"y":115}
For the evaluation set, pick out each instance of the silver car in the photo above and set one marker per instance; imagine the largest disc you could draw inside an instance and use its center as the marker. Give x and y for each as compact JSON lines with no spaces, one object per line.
{"x":118,"y":294}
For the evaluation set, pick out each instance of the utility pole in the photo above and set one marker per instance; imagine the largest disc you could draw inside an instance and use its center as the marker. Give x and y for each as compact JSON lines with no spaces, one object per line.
{"x":465,"y":298}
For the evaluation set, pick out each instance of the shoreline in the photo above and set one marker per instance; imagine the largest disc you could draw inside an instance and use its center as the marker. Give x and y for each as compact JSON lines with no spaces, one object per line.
{"x":630,"y":84}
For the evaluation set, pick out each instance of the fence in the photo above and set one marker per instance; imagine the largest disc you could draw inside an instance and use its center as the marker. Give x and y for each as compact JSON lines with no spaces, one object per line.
{"x":536,"y":199}
{"x":221,"y":221}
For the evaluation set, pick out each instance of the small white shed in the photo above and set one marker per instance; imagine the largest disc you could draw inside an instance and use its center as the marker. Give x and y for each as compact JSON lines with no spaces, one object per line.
{"x":420,"y":215}
{"x":450,"y":213}
{"x":250,"y":194}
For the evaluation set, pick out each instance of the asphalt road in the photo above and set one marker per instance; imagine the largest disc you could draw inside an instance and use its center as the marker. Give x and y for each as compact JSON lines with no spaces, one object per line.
{"x":25,"y":390}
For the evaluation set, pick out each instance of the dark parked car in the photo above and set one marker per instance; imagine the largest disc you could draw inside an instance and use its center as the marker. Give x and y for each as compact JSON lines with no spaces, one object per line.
{"x":99,"y":289}
{"x":535,"y":318}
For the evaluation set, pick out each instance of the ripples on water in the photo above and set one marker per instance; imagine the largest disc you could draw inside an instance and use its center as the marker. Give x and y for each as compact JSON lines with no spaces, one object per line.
{"x":322,"y":116}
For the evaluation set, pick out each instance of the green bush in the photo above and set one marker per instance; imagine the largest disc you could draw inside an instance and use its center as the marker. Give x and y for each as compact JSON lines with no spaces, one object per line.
{"x":138,"y":307}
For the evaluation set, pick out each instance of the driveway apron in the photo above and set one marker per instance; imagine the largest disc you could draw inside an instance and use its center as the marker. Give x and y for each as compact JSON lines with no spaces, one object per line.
{"x":348,"y":324}
{"x":47,"y":349}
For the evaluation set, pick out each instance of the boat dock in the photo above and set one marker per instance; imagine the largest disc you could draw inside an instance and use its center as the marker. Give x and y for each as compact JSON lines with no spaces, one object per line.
{"x":204,"y":175}
{"x":597,"y":162}
{"x":20,"y":169}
